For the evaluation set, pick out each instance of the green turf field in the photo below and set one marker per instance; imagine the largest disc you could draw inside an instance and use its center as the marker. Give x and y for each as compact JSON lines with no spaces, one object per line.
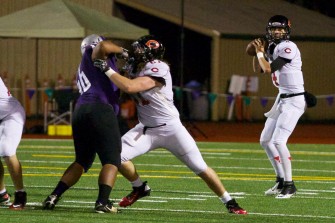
{"x":177,"y":194}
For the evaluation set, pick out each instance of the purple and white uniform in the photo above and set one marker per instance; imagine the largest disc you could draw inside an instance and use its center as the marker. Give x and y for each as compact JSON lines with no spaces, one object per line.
{"x":94,"y":124}
{"x":94,"y":86}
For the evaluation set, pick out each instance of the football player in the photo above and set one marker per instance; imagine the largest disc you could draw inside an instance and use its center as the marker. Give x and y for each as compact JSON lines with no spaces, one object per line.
{"x":282,"y":61}
{"x":95,"y":127}
{"x":12,"y":118}
{"x":159,"y":123}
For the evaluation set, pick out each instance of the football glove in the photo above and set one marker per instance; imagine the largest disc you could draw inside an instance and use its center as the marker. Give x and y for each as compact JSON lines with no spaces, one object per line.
{"x":101,"y":64}
{"x":124,"y":55}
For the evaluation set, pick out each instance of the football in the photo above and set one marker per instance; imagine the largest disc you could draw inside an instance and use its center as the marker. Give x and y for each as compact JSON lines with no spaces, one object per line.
{"x":250,"y":50}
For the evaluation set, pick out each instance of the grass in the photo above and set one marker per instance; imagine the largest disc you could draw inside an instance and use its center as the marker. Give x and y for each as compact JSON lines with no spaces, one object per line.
{"x":177,"y":194}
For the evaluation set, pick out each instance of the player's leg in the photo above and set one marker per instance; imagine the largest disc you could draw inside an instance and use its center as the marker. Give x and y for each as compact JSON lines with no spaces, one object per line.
{"x":2,"y":177}
{"x":130,"y":149}
{"x":272,"y":154}
{"x":286,"y":123}
{"x":15,"y":171}
{"x":10,"y":139}
{"x":107,"y":144}
{"x":183,"y":146}
{"x":214,"y":183}
{"x":4,"y":196}
{"x":107,"y":178}
{"x":74,"y":171}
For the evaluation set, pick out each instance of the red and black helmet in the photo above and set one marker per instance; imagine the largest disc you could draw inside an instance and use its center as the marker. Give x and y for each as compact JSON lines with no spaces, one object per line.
{"x":278,"y":21}
{"x":148,"y":48}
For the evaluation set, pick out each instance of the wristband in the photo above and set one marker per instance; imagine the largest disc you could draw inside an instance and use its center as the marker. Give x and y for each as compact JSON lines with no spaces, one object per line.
{"x":110,"y":72}
{"x":260,"y":55}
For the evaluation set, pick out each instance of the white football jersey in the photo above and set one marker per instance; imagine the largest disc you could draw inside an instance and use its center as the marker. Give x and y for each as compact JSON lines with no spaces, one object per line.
{"x":289,"y":79}
{"x":4,"y":92}
{"x":155,"y":106}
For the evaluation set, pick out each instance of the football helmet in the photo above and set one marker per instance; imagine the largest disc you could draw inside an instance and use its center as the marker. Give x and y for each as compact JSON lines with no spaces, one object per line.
{"x":148,"y":48}
{"x":278,"y":21}
{"x":92,"y":40}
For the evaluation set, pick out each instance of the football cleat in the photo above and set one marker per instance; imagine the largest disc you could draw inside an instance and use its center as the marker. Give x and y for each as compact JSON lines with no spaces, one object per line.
{"x":137,"y":193}
{"x":105,"y":208}
{"x":20,"y":201}
{"x":276,"y":188}
{"x":4,"y":198}
{"x":234,"y":208}
{"x":50,"y":202}
{"x":288,"y":190}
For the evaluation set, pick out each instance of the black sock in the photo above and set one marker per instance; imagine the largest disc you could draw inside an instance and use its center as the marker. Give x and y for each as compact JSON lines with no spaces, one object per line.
{"x":104,"y":192}
{"x":60,"y":188}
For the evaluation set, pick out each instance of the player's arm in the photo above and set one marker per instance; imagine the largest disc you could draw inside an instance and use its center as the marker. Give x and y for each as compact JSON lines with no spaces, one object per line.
{"x":255,"y":65}
{"x":264,"y":65}
{"x":125,"y":84}
{"x":106,"y":47}
{"x":278,"y":63}
{"x":262,"y":62}
{"x":268,"y":68}
{"x":132,"y":86}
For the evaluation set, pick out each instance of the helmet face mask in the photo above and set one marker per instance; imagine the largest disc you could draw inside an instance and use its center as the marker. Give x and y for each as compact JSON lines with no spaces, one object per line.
{"x":148,"y":48}
{"x":278,"y":29}
{"x":277,"y":33}
{"x":91,"y":40}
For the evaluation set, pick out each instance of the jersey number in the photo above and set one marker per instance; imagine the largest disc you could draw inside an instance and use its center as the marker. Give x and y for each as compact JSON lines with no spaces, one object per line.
{"x":82,"y":82}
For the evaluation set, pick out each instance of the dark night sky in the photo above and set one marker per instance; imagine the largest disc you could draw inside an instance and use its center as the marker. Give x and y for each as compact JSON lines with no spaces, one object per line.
{"x":197,"y":47}
{"x":326,"y":7}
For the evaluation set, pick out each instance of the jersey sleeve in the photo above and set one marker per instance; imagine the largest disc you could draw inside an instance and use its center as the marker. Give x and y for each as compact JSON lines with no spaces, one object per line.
{"x":156,"y":68}
{"x":287,"y":50}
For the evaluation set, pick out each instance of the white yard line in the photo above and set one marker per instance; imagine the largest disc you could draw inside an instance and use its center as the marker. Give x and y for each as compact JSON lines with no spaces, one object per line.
{"x":33,"y":205}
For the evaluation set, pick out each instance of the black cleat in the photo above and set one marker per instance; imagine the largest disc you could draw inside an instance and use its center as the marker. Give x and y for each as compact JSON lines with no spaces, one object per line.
{"x":105,"y":208}
{"x":20,"y":201}
{"x":50,"y":202}
{"x":276,"y":188}
{"x":288,"y":190}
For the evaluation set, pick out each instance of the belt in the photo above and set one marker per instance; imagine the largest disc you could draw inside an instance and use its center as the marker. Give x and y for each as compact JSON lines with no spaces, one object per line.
{"x":291,"y":95}
{"x":151,"y":127}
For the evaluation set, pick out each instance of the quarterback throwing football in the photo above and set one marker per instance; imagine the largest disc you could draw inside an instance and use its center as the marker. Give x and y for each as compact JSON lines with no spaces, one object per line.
{"x":283,"y":62}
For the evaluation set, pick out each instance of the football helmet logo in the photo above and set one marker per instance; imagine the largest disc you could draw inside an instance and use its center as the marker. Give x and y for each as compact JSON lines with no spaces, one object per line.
{"x":278,"y":21}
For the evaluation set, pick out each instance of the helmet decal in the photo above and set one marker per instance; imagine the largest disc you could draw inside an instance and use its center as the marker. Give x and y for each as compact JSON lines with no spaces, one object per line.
{"x":153,"y":44}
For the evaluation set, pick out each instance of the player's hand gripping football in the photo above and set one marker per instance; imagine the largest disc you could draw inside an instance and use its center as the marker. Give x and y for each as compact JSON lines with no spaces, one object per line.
{"x":251,"y":49}
{"x":259,"y":45}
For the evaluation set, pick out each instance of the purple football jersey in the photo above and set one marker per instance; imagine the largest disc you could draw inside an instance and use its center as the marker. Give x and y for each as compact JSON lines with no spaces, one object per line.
{"x":94,"y":86}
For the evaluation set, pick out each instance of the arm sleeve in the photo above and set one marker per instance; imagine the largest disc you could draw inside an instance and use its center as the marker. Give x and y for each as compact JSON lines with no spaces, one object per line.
{"x":278,"y":63}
